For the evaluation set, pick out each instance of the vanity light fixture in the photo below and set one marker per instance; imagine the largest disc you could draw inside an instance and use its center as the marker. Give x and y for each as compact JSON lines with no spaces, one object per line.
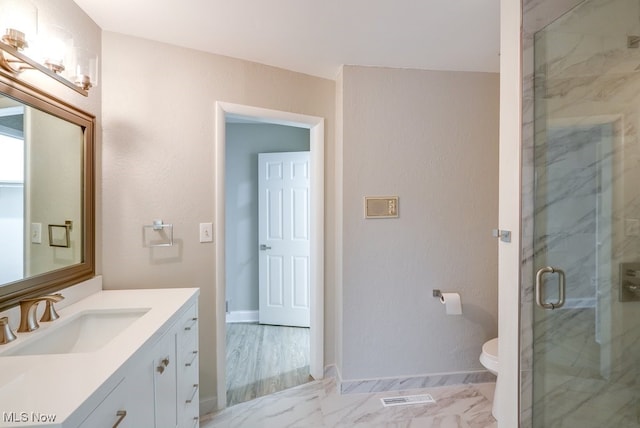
{"x":74,"y":67}
{"x":18,"y":22}
{"x":54,"y":43}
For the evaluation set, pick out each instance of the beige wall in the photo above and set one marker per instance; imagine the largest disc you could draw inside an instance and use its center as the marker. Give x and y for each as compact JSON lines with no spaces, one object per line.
{"x":430,"y":138}
{"x":158,"y":161}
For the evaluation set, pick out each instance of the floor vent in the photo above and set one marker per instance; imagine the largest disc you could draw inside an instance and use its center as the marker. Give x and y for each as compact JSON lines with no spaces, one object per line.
{"x":405,"y":400}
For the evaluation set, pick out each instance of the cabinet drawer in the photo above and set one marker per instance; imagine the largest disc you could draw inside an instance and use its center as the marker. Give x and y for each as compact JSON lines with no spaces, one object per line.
{"x":188,"y":372}
{"x":189,"y":404}
{"x":190,"y":421}
{"x":188,"y":391}
{"x":188,"y":362}
{"x":188,"y":327}
{"x":112,"y":412}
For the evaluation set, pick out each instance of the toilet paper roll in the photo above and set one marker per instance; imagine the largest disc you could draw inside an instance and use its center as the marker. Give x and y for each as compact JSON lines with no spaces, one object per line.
{"x":452,"y":303}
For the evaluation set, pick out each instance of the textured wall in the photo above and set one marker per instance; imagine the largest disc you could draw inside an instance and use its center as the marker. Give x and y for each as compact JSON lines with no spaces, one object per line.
{"x":430,"y":138}
{"x":158,"y":161}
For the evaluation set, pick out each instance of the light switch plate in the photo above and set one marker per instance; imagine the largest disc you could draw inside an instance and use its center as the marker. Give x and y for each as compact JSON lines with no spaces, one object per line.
{"x":206,"y":232}
{"x":36,"y":233}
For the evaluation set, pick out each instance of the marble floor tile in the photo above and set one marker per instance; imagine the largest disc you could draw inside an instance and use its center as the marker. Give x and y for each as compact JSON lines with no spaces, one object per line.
{"x":319,"y":405}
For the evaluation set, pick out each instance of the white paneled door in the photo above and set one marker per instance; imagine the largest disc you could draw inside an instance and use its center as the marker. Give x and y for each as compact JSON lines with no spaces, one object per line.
{"x":283,"y":233}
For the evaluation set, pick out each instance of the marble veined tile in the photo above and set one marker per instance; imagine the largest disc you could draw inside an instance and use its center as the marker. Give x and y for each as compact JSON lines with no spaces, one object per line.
{"x":319,"y":405}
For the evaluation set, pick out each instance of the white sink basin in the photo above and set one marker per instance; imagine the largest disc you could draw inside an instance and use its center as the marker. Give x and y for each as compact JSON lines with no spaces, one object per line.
{"x":87,"y":331}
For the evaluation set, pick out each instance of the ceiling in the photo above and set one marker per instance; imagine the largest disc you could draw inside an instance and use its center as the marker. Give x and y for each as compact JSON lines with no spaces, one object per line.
{"x":317,"y":36}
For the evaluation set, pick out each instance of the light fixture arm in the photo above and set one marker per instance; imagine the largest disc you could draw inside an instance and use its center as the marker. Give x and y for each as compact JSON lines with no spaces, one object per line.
{"x":13,"y":62}
{"x":9,"y":65}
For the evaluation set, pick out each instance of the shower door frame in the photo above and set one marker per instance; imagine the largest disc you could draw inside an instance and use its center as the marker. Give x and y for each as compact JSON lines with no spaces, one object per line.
{"x":535,"y":15}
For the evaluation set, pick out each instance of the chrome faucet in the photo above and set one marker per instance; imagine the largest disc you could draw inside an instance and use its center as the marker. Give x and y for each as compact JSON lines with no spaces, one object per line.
{"x":28,"y":311}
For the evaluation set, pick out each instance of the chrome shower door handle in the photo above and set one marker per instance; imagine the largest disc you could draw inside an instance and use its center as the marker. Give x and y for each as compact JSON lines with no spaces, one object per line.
{"x":263,"y":247}
{"x":561,"y":287}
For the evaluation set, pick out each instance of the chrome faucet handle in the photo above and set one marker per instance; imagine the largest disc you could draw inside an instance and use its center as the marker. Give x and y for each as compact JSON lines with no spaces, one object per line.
{"x":6,"y":335}
{"x":28,"y":311}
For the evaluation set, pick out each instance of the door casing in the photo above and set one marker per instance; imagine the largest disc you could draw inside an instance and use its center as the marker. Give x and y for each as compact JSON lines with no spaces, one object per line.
{"x":316,"y":148}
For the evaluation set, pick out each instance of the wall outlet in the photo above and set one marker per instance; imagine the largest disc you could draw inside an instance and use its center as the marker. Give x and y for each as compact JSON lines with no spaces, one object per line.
{"x":36,"y":233}
{"x":206,"y":232}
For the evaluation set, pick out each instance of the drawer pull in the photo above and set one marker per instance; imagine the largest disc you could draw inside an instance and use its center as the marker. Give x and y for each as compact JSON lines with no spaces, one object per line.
{"x":121,"y":414}
{"x":195,"y":391}
{"x":193,"y":322}
{"x":195,"y":354}
{"x":195,"y":421}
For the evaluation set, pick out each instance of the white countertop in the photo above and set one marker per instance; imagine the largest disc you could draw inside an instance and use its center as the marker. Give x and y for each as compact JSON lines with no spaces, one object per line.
{"x":59,"y":384}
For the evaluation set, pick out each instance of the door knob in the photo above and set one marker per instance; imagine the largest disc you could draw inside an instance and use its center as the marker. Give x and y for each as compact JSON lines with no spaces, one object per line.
{"x":264,"y":247}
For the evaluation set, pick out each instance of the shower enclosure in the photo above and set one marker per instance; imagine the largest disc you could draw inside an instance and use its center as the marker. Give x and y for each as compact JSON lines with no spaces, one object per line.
{"x":580,"y":339}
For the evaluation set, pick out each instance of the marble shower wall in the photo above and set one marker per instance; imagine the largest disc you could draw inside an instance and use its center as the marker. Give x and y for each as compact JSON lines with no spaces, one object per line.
{"x":586,"y":88}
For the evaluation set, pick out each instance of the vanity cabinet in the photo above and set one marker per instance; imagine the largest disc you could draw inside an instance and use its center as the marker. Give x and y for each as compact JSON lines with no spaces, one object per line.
{"x":114,"y":411}
{"x":160,"y":386}
{"x":187,"y":358}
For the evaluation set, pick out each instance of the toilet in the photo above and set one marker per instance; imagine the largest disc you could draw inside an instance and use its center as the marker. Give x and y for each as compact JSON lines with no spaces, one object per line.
{"x":489,"y":359}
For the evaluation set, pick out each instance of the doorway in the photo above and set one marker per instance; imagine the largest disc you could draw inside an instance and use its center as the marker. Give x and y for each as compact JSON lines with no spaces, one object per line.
{"x":267,"y":258}
{"x":315,"y":127}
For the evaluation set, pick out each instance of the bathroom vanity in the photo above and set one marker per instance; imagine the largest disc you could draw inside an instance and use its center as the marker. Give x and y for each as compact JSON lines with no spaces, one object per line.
{"x":126,"y":358}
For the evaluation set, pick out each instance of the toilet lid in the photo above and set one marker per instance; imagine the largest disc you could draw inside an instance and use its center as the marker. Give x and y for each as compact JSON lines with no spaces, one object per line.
{"x":490,"y":349}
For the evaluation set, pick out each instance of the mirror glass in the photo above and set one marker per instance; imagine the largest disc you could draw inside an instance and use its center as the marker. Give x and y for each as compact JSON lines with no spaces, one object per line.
{"x":46,"y":194}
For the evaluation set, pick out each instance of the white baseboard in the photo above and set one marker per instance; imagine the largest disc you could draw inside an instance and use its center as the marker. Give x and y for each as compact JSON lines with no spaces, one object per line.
{"x":242,"y":316}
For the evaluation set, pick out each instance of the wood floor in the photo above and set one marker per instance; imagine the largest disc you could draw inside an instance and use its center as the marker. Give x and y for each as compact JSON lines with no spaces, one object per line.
{"x":263,"y":359}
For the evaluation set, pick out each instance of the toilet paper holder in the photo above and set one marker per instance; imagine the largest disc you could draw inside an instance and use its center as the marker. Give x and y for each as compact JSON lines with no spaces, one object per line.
{"x":452,"y":302}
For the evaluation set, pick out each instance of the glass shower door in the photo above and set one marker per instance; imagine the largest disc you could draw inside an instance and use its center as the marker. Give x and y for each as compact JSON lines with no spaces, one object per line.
{"x":586,"y":319}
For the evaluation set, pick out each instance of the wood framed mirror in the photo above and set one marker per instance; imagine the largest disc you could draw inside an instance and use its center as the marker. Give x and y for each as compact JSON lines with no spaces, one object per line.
{"x":47,"y":152}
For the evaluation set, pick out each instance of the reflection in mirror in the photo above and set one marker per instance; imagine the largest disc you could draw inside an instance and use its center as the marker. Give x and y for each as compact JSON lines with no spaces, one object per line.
{"x":11,"y":190}
{"x":46,"y":193}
